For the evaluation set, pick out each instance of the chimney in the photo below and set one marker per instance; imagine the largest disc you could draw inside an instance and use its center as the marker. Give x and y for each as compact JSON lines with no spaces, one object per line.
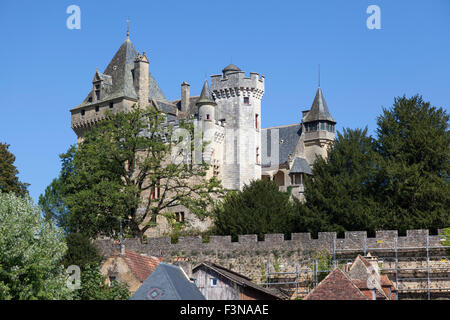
{"x":141,"y":78}
{"x":184,"y":96}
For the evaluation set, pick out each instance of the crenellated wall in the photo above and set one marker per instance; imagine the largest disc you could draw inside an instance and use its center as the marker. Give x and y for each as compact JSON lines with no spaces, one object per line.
{"x":354,"y":241}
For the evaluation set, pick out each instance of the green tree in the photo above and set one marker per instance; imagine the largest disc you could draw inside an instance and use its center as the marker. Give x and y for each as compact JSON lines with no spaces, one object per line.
{"x":340,"y":197}
{"x":9,"y":182}
{"x":52,"y":202}
{"x":94,"y":287}
{"x":31,"y":250}
{"x":414,"y":181}
{"x":124,"y":171}
{"x":260,"y":208}
{"x":81,"y":251}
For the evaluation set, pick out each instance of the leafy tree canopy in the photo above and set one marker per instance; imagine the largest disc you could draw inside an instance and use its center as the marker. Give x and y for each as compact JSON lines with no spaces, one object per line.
{"x":260,"y":208}
{"x":9,"y":182}
{"x":129,"y":168}
{"x":31,"y":250}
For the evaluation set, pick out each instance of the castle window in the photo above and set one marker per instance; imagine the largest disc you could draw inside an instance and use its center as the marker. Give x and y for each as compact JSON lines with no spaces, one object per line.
{"x":257,"y":155}
{"x":322,"y":126}
{"x":213,"y":282}
{"x":90,"y":99}
{"x":246,"y":100}
{"x":97,"y":94}
{"x":111,"y":105}
{"x":256,"y":121}
{"x":207,"y":116}
{"x":97,"y":108}
{"x":83,"y":112}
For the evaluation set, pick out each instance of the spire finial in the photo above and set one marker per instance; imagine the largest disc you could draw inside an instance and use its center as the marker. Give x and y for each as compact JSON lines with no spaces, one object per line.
{"x":128,"y":29}
{"x":319,"y":75}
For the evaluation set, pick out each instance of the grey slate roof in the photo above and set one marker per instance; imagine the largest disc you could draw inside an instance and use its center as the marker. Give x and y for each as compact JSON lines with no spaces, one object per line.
{"x":288,"y":140}
{"x":167,"y":282}
{"x":206,"y":96}
{"x":300,"y":165}
{"x":319,"y":109}
{"x":120,"y":70}
{"x":231,"y":67}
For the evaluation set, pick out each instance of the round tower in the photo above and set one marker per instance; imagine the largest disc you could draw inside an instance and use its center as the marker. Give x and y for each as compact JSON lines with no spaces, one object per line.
{"x":238,"y":101}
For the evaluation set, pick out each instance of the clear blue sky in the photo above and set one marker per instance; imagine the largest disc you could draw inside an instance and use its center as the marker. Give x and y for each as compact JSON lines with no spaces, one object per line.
{"x":46,"y":69}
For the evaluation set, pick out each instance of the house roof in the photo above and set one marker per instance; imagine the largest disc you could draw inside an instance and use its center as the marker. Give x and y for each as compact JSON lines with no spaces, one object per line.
{"x":336,"y":286}
{"x":300,"y":165}
{"x":235,"y":277}
{"x":141,"y":266}
{"x":288,"y":137}
{"x":319,"y":109}
{"x":167,"y":282}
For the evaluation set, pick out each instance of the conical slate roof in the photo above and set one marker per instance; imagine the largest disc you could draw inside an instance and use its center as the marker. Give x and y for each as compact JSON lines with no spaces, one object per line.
{"x":319,"y":109}
{"x":231,"y":67}
{"x":205,"y":96}
{"x":120,"y":77}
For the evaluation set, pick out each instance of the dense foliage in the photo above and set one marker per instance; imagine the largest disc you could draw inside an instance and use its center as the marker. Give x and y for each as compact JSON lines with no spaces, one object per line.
{"x":31,"y":250}
{"x":81,"y":252}
{"x":9,"y":182}
{"x":114,"y":175}
{"x":94,"y":287}
{"x":398,"y":181}
{"x":259,"y":208}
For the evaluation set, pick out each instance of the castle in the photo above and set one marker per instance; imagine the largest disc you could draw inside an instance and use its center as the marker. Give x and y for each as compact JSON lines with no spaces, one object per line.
{"x":239,"y":150}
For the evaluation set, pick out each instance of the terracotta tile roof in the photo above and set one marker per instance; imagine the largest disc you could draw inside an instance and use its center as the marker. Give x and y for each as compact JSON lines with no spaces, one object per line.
{"x":336,"y":286}
{"x":141,"y":266}
{"x":386,"y":282}
{"x":362,"y":285}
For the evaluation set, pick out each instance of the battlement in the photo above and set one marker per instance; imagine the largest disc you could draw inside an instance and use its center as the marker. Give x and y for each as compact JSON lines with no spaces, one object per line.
{"x":353,"y":241}
{"x":237,"y":82}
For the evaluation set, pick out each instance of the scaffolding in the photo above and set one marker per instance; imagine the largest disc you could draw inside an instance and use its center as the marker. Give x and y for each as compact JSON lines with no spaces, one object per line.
{"x":431,"y":267}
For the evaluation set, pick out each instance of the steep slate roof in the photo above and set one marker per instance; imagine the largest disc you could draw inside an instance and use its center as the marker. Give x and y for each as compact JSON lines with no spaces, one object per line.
{"x":288,"y":140}
{"x":167,"y":282}
{"x":319,"y":109}
{"x":119,"y":69}
{"x":235,"y":277}
{"x":141,"y":266}
{"x":336,"y":286}
{"x":205,"y":96}
{"x":300,"y":165}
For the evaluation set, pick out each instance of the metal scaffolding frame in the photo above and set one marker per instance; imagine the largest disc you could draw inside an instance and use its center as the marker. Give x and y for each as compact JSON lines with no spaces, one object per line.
{"x":390,"y":254}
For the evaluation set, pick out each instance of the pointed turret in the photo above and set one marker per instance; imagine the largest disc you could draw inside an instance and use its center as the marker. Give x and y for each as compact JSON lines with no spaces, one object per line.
{"x":206,"y":104}
{"x":318,"y":128}
{"x":206,"y":96}
{"x":319,"y":109}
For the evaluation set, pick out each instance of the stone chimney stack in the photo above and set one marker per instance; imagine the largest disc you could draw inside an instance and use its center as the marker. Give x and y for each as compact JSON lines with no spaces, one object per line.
{"x":141,"y":78}
{"x":185,"y":95}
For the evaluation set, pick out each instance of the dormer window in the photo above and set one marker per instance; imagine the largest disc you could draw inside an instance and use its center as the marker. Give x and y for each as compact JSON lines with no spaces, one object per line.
{"x":246,"y":100}
{"x":90,"y":99}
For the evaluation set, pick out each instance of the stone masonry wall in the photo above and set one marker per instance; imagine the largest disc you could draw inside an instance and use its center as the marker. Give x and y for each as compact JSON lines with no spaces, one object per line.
{"x":251,"y":257}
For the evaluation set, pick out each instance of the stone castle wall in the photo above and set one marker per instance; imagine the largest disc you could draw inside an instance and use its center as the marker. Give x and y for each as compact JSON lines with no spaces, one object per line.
{"x":252,"y":257}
